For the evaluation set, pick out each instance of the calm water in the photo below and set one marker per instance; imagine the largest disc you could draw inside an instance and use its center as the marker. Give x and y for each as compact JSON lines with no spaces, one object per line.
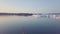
{"x":29,"y":25}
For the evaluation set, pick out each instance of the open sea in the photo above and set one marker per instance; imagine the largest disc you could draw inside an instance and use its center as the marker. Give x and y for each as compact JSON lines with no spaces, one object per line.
{"x":29,"y":25}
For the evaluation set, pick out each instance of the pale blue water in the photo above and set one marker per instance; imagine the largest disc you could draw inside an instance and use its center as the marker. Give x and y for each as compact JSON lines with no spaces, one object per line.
{"x":29,"y":25}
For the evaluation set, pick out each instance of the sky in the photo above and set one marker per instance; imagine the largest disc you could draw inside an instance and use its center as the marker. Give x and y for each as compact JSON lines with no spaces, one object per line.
{"x":30,"y":6}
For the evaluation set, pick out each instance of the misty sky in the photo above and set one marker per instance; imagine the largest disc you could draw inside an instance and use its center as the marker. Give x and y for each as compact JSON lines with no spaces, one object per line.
{"x":42,"y":6}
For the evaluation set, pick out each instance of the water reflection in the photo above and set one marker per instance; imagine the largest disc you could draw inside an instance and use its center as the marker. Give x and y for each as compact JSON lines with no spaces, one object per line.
{"x":46,"y":16}
{"x":35,"y":24}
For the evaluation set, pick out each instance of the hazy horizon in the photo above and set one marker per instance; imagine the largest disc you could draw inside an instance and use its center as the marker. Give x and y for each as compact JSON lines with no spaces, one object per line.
{"x":29,"y":6}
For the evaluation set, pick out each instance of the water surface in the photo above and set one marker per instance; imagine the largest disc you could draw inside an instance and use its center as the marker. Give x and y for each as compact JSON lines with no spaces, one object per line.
{"x":29,"y":25}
